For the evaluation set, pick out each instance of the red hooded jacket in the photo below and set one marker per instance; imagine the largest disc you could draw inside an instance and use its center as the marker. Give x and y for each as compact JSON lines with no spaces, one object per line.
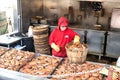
{"x":61,"y":38}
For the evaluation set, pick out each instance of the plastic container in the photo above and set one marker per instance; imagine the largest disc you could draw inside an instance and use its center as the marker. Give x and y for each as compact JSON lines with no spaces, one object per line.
{"x":118,"y":62}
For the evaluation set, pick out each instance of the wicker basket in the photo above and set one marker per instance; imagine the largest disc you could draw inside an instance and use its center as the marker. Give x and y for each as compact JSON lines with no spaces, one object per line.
{"x":77,"y":55}
{"x":40,"y":36}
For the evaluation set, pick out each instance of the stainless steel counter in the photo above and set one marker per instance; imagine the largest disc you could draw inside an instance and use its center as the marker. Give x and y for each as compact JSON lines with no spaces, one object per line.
{"x":13,"y":75}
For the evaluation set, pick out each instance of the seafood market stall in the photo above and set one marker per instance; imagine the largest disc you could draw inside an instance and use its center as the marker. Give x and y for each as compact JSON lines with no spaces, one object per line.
{"x":24,"y":65}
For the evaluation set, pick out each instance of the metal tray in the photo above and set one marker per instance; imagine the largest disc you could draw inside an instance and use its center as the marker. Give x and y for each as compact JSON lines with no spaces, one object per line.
{"x":75,"y":72}
{"x":50,"y":76}
{"x":42,"y":63}
{"x":8,"y":61}
{"x":3,"y":49}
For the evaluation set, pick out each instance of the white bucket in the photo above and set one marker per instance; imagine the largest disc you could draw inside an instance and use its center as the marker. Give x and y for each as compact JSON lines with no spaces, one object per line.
{"x":118,"y":62}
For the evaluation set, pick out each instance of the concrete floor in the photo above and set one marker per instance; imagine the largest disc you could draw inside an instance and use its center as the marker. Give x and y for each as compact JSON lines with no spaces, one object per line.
{"x":104,"y":60}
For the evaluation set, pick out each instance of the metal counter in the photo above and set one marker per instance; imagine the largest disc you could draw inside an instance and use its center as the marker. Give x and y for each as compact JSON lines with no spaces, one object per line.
{"x":113,"y":44}
{"x":95,"y":41}
{"x":14,"y":75}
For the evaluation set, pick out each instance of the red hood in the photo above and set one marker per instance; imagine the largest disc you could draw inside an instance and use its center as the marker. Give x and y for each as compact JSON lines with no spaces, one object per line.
{"x":63,"y":22}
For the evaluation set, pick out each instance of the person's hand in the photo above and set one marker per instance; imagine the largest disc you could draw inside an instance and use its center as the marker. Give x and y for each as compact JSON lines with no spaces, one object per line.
{"x":76,"y":39}
{"x":55,"y":47}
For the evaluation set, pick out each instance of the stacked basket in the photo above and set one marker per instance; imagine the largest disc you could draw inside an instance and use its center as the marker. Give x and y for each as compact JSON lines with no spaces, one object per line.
{"x":40,"y":36}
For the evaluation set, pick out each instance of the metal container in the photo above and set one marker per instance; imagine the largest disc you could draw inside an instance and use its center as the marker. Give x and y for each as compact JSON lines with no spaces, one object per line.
{"x":115,"y":20}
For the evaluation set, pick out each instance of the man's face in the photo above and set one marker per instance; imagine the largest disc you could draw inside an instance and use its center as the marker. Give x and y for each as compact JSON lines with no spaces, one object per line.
{"x":63,"y":28}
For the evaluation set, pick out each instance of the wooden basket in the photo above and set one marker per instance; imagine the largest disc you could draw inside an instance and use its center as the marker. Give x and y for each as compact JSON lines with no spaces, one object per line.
{"x":77,"y":55}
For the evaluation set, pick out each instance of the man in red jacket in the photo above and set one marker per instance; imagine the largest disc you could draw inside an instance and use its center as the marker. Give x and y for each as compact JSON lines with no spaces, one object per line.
{"x":61,"y":36}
